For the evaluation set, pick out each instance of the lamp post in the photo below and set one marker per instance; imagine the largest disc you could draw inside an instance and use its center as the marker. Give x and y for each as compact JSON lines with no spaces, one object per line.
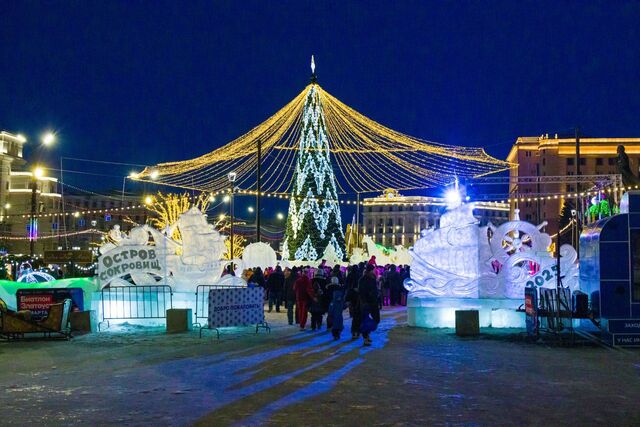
{"x":232,"y":179}
{"x":38,"y":172}
{"x":133,"y":176}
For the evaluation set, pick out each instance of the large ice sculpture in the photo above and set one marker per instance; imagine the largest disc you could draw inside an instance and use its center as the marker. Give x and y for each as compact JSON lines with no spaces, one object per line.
{"x":462,"y":260}
{"x":196,"y":260}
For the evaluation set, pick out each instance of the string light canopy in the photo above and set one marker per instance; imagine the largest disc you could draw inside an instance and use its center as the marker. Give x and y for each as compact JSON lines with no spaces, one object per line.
{"x":366,"y":156}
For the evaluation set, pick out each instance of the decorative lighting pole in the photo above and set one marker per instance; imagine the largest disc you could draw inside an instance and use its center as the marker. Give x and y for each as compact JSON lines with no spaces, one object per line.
{"x":259,"y":189}
{"x":33,"y":233}
{"x":232,"y":179}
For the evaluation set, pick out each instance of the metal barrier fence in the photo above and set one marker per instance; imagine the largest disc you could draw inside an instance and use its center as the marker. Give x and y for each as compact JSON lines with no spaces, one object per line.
{"x":136,"y":302}
{"x":202,"y":300}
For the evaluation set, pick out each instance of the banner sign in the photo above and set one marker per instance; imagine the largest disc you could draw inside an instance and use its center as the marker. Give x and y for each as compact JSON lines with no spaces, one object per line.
{"x":531,"y":310}
{"x":544,"y":277}
{"x":627,"y":340}
{"x":38,"y":301}
{"x":124,"y":260}
{"x":624,"y":326}
{"x":63,"y":257}
{"x":236,"y":307}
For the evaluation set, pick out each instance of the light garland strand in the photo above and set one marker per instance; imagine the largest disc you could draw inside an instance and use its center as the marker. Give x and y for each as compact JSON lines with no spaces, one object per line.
{"x":55,"y":236}
{"x":367,"y":156}
{"x":522,"y":197}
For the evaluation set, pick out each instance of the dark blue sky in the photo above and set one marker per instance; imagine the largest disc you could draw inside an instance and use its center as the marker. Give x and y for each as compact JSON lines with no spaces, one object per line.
{"x":145,"y":82}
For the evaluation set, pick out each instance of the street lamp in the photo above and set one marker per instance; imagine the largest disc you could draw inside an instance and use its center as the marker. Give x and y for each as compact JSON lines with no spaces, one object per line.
{"x":37,"y":173}
{"x":280,"y":216}
{"x":232,"y":179}
{"x":132,"y":175}
{"x":48,"y":138}
{"x":250,"y":209}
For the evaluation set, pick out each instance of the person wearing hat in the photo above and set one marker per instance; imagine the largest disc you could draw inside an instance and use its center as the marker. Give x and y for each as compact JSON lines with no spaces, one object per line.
{"x":335,"y":322}
{"x":304,"y":295}
{"x":290,"y":277}
{"x":368,"y":295}
{"x":318,"y":306}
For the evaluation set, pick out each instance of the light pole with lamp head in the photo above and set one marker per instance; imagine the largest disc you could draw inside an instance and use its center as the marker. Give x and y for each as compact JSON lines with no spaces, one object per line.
{"x":232,"y":179}
{"x":37,"y":173}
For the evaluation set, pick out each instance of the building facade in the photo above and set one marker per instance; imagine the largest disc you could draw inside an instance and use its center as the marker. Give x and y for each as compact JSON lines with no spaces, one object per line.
{"x":59,"y":224}
{"x":545,"y":156}
{"x":393,"y":219}
{"x":101,"y":212}
{"x":16,"y":191}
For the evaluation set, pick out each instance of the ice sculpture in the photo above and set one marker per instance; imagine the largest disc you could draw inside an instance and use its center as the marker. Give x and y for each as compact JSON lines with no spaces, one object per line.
{"x":259,"y":254}
{"x":196,"y":260}
{"x":399,"y":255}
{"x":27,"y":274}
{"x":330,"y":256}
{"x":462,"y":260}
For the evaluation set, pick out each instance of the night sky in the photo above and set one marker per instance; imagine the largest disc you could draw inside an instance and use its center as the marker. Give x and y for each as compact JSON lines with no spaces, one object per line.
{"x":145,"y":82}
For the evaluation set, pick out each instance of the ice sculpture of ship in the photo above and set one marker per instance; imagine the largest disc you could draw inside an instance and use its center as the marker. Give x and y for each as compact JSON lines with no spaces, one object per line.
{"x":462,"y":265}
{"x":195,"y":260}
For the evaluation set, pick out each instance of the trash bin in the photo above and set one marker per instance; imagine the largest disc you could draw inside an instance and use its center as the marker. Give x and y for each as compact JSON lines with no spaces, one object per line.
{"x":179,"y":320}
{"x":580,"y":304}
{"x":467,"y":323}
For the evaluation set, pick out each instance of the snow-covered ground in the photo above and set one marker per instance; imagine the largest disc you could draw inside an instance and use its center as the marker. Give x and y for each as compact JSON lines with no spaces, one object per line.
{"x":141,"y":376}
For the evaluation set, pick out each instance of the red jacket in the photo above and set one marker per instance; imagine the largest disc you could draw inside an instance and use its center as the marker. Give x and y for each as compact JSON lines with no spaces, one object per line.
{"x":303,"y":288}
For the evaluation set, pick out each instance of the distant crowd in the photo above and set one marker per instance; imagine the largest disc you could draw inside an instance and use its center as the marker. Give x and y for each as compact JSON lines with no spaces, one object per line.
{"x":325,"y":293}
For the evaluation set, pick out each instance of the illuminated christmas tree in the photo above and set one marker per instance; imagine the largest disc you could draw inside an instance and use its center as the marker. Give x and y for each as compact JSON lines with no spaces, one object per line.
{"x":314,"y":212}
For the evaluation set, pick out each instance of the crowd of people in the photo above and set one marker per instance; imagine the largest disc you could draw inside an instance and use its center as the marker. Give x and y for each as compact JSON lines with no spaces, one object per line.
{"x":320,"y":295}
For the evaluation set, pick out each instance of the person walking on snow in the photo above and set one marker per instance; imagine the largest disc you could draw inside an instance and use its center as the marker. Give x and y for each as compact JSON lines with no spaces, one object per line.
{"x":334,"y":317}
{"x":319,"y":305}
{"x":289,"y":294}
{"x":368,"y":295}
{"x":304,"y":295}
{"x":275,"y":284}
{"x":353,"y":300}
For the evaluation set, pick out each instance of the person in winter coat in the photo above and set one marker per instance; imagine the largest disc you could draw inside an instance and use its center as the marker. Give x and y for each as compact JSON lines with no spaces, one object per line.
{"x":335,"y":321}
{"x":304,"y":295}
{"x":368,"y":295}
{"x":394,"y":281}
{"x":337,"y":273}
{"x":405,"y":274}
{"x":319,"y":305}
{"x":246,"y":275}
{"x":275,"y":285}
{"x":289,"y":293}
{"x":258,"y":277}
{"x":353,"y":300}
